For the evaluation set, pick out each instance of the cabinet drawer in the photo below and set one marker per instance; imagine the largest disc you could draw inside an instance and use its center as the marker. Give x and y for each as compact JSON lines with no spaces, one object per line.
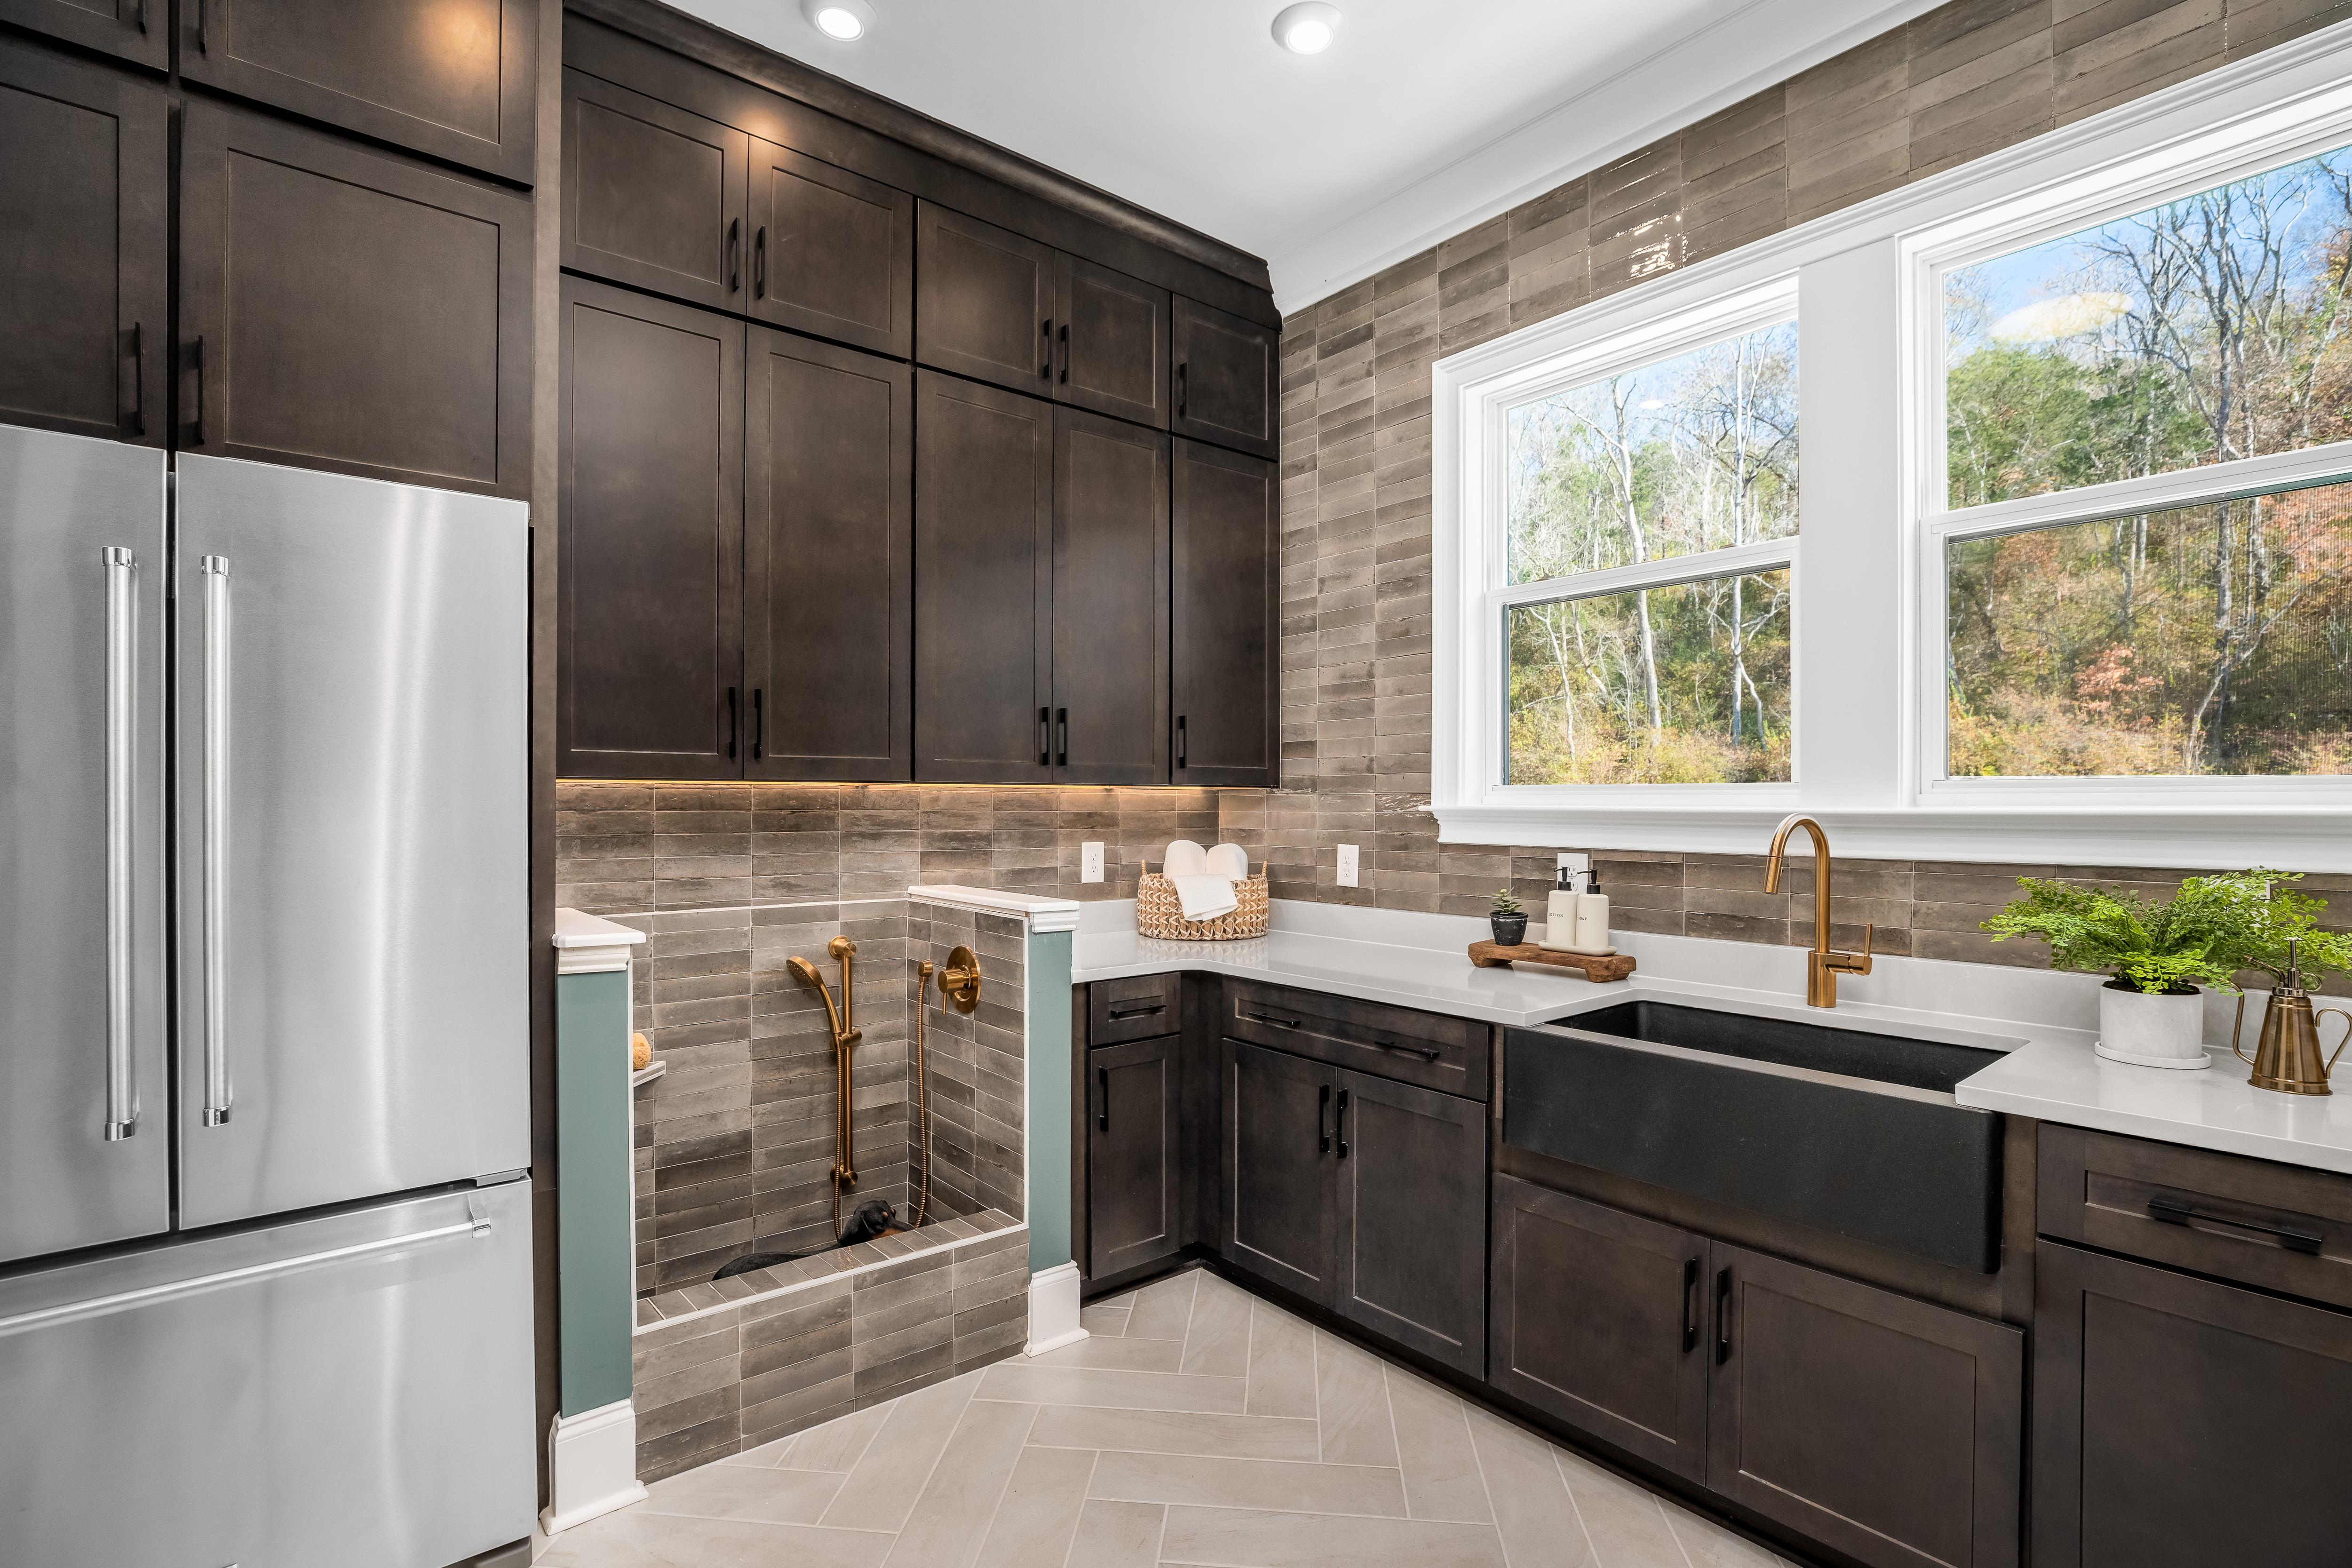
{"x":2277,"y":1226}
{"x":1135,"y":1008}
{"x":1433,"y":1051}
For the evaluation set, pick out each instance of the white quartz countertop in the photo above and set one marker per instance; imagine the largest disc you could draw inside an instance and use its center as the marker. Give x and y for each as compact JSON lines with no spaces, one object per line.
{"x":2043,"y":1023}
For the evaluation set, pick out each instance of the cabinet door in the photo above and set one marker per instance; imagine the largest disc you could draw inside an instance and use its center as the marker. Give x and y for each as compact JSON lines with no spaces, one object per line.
{"x":1110,"y":602}
{"x":1110,"y":342}
{"x":1280,"y":1176}
{"x":984,"y":601}
{"x":650,"y":592}
{"x":983,"y":300}
{"x":84,"y":162}
{"x":832,"y":252}
{"x":1883,"y":1427}
{"x":340,"y":309}
{"x":1412,"y":1164}
{"x":450,"y":79}
{"x":1131,"y":1155}
{"x":2178,"y":1420}
{"x":136,"y":30}
{"x":1598,"y":1318}
{"x":1226,"y":375}
{"x":828,"y":504}
{"x":1224,"y":535}
{"x":653,"y":196}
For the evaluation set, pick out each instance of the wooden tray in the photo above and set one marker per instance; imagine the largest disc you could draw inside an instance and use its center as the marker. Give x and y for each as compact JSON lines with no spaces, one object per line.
{"x":1494,"y":956}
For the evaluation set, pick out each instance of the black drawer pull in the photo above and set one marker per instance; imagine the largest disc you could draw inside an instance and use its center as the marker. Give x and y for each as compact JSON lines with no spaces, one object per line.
{"x":734,"y":255}
{"x":1044,"y":733}
{"x":1062,"y":751}
{"x":2174,"y":1210}
{"x":1102,"y":1082}
{"x":1045,"y":331}
{"x":734,"y":723}
{"x":1423,"y":1051}
{"x":1322,"y":1127}
{"x":1180,"y":760}
{"x":1690,"y":1313}
{"x":1183,"y":390}
{"x":1143,"y":1012}
{"x":1343,"y":1124}
{"x":1066,"y":352}
{"x":196,"y":435}
{"x":1722,"y":1316}
{"x":1269,"y":1018}
{"x":137,"y":425}
{"x":759,"y":263}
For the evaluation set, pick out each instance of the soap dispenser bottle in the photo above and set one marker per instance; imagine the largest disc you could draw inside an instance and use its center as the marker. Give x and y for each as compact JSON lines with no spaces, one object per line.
{"x":1560,"y":912}
{"x":1591,"y":919}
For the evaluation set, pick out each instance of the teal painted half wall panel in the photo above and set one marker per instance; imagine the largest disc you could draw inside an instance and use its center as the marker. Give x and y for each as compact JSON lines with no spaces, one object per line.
{"x":596,"y":1297}
{"x":1048,"y":1129}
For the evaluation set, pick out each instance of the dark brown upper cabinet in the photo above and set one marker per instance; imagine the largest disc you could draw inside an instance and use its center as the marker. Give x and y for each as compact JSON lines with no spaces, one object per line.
{"x":85,"y":342}
{"x":1110,"y":343}
{"x":1133,"y":1162}
{"x":1279,"y":1187}
{"x":1412,"y":1223}
{"x":135,"y":30}
{"x":832,"y":253}
{"x":454,"y":80}
{"x":1109,"y":602}
{"x":649,"y":611}
{"x":984,"y":599}
{"x":654,"y":196}
{"x":1224,"y":556}
{"x":349,"y":310}
{"x":828,"y":561}
{"x":1227,"y":379}
{"x":984,"y":301}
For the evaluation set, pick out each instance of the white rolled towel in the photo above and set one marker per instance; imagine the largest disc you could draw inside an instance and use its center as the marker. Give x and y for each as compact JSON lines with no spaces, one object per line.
{"x":1229,"y":861}
{"x":1185,"y":858}
{"x":1205,"y":898}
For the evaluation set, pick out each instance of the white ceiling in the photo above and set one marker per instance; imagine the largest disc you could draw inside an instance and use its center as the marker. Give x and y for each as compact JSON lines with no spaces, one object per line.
{"x":1424,"y":118}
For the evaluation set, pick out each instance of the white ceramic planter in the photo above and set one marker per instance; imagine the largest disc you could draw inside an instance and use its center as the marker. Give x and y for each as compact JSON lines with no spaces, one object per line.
{"x":2160,"y":1031}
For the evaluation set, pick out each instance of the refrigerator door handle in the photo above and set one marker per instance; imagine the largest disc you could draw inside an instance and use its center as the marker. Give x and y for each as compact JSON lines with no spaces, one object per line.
{"x":214,"y":570}
{"x":477,"y":1224}
{"x":121,"y":680}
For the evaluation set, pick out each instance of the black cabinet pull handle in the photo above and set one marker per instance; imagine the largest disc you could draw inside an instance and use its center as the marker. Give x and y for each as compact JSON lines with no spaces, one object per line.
{"x":137,"y":425}
{"x":759,"y":720}
{"x":1044,"y":737}
{"x":1183,"y":387}
{"x":196,"y":433}
{"x":1062,"y":751}
{"x":1343,"y":1124}
{"x":1722,"y":1316}
{"x":1322,"y":1127}
{"x":204,"y":27}
{"x":1690,"y":1317}
{"x":1180,"y":739}
{"x":142,"y":15}
{"x":734,"y":723}
{"x":759,"y":263}
{"x":2174,"y":1210}
{"x":1102,"y":1082}
{"x":1143,"y":1012}
{"x":1065,"y":354}
{"x":1269,"y":1018}
{"x":1047,"y":332}
{"x":1426,"y":1051}
{"x":734,"y":254}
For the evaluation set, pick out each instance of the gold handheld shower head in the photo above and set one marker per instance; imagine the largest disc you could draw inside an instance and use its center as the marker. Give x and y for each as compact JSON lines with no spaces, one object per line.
{"x":805,"y":972}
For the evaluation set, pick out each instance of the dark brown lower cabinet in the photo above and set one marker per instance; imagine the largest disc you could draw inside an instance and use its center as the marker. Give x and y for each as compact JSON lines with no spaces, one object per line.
{"x":1598,"y":1318}
{"x":2179,"y":1421}
{"x":1882,"y":1426}
{"x":1411,"y":1170}
{"x":1132,"y":1157}
{"x":1280,"y":1197}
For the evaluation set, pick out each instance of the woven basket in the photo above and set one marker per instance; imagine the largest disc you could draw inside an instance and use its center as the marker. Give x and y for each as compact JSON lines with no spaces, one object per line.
{"x":1157,"y":912}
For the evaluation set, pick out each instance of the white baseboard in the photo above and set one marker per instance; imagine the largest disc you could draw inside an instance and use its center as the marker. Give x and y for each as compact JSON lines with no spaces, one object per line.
{"x":591,"y":1465}
{"x":1054,"y":1308}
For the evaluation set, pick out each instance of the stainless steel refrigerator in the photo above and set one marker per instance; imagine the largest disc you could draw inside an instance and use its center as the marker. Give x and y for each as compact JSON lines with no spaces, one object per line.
{"x":264,"y":1250}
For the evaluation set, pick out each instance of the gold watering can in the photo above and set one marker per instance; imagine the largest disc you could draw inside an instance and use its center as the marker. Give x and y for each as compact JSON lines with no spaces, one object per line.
{"x":2286,"y":1059}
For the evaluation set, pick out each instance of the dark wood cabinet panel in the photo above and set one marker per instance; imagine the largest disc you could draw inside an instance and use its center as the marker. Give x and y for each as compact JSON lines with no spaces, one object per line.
{"x":1430,"y":1049}
{"x":828,"y":505}
{"x":342,"y":309}
{"x":450,"y":79}
{"x":984,"y":599}
{"x":983,"y":300}
{"x":1110,"y":344}
{"x":1224,"y":552}
{"x":1131,"y":1009}
{"x":135,"y":30}
{"x":1598,"y":1318}
{"x":649,"y":599}
{"x":2179,"y":1423}
{"x":1280,"y":1191}
{"x":1228,"y":372}
{"x":1132,"y":1156}
{"x":832,"y":253}
{"x":1412,"y":1221}
{"x":1110,"y":602}
{"x":653,"y":196}
{"x":85,"y":340}
{"x":1882,"y":1426}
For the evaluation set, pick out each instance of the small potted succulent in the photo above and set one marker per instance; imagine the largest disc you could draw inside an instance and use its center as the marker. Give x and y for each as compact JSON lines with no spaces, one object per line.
{"x":2152,"y":1011}
{"x":1508,"y":920}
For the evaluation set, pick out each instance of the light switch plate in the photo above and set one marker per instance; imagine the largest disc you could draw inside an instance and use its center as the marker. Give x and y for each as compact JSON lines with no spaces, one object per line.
{"x":1090,"y":860}
{"x":1346,"y":865}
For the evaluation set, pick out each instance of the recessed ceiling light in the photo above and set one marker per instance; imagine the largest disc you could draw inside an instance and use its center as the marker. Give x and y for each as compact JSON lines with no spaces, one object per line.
{"x":1307,"y":29}
{"x":843,"y":21}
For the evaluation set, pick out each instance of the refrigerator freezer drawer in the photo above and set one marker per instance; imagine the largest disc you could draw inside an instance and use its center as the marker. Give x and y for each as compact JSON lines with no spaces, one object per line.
{"x":354,"y":1390}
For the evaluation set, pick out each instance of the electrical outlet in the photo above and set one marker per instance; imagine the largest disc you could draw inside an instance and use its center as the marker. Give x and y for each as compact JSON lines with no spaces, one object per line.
{"x":1346,"y":865}
{"x":1090,"y":861}
{"x":1575,"y":866}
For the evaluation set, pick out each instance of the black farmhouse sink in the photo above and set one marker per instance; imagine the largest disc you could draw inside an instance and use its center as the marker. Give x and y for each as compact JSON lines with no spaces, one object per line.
{"x":1842,"y":1130}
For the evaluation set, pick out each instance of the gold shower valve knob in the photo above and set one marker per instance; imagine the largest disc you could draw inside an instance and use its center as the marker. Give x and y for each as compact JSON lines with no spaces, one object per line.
{"x":960,"y":981}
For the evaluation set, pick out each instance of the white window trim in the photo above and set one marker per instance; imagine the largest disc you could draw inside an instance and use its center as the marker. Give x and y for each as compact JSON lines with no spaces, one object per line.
{"x":1866,"y":699}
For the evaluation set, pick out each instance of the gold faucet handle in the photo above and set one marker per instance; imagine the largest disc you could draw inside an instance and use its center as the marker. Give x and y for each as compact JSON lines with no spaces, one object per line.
{"x":1855,"y":962}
